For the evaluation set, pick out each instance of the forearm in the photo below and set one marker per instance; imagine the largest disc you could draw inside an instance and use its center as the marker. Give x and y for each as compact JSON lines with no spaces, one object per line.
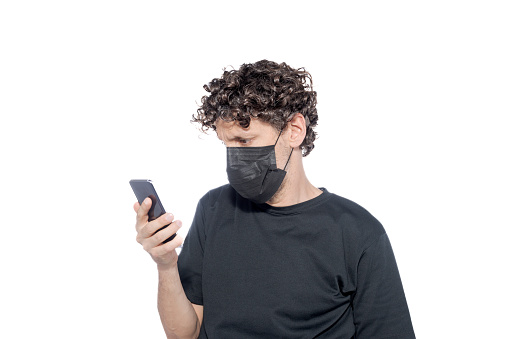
{"x":178,"y":316}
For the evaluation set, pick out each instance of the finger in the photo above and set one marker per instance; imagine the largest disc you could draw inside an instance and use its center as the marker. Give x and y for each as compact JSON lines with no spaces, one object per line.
{"x":144,"y":207}
{"x":159,"y":237}
{"x":149,"y":229}
{"x":136,"y":206}
{"x":146,"y":230}
{"x":142,"y":213}
{"x":170,"y":246}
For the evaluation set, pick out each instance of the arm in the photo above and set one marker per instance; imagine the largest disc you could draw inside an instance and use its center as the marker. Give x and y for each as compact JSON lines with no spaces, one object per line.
{"x":179,"y":317}
{"x":379,"y":304}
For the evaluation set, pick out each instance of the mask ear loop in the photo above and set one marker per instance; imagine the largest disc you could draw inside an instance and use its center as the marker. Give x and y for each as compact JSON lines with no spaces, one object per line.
{"x":287,"y":161}
{"x":278,"y":137}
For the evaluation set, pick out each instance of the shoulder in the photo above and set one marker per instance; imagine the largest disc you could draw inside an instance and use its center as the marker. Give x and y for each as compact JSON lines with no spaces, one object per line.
{"x":219,"y":195}
{"x":356,"y":223}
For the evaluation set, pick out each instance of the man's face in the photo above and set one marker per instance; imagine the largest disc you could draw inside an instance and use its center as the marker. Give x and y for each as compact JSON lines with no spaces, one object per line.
{"x":259,"y":133}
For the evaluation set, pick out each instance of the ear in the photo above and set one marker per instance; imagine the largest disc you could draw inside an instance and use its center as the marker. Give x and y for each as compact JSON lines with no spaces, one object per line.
{"x":297,"y":130}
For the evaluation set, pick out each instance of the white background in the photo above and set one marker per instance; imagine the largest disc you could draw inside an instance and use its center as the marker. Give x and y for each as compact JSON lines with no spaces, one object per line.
{"x":413,"y":102}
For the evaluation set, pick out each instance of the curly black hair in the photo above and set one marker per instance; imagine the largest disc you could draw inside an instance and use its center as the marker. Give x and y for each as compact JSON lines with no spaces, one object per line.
{"x":266,"y":90}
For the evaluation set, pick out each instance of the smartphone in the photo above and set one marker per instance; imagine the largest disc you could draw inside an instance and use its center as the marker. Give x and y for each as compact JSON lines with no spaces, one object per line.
{"x":144,"y":188}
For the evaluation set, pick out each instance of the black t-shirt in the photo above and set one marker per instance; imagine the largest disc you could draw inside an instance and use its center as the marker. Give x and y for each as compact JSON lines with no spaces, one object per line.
{"x":323,"y":268}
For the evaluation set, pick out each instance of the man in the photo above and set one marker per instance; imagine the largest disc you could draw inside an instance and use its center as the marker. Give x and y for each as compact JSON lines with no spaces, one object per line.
{"x":270,"y":255}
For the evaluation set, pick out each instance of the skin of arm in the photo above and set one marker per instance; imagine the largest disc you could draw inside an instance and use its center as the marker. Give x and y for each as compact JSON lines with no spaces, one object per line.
{"x":180,"y":318}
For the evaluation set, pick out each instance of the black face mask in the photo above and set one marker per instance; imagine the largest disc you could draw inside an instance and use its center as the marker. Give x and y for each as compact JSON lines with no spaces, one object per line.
{"x":253,"y":173}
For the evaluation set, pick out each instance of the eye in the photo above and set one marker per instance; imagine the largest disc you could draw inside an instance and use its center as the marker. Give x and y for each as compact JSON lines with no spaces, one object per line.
{"x":244,"y":141}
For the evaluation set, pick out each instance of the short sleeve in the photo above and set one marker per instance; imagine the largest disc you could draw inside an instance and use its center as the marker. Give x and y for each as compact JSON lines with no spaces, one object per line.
{"x":379,"y":304}
{"x":190,"y":261}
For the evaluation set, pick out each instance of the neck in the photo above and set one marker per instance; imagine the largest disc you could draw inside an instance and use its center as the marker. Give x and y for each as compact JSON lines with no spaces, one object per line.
{"x":296,"y":187}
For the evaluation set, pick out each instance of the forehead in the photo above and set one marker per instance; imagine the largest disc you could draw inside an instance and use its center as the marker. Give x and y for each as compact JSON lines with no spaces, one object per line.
{"x":227,"y":130}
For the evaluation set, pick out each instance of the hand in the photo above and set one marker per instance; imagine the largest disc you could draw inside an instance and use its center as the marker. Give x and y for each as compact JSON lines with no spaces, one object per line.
{"x":163,"y":254}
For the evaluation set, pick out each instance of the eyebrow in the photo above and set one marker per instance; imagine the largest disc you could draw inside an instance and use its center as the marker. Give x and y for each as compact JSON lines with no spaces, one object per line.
{"x":238,"y":136}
